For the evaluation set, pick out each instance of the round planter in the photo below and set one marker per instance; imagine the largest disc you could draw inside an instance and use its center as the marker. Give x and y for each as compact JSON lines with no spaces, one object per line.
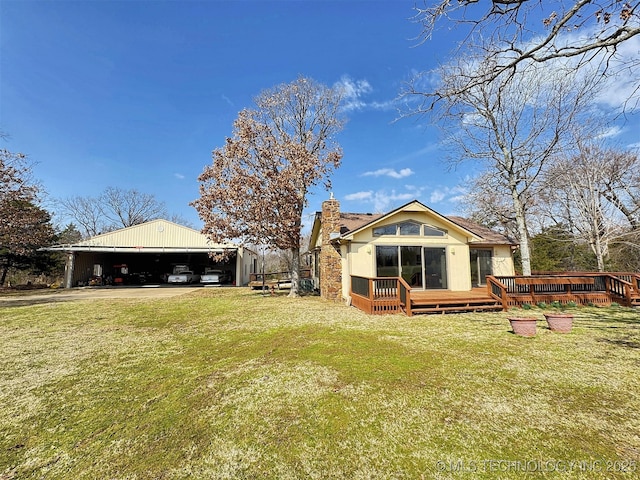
{"x":559,"y":322}
{"x":523,"y":326}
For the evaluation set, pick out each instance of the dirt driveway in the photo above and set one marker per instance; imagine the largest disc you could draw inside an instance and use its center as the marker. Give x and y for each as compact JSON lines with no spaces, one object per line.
{"x":89,"y":293}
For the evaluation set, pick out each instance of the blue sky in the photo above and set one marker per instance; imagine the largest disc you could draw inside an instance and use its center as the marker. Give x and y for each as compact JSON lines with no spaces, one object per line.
{"x":136,"y":94}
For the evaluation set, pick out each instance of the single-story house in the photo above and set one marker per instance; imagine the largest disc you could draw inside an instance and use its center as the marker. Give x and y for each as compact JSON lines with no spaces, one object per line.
{"x":148,"y":253}
{"x":427,"y":249}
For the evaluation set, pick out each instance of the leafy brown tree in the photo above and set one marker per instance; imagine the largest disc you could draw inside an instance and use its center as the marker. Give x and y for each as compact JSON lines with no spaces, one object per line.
{"x":25,"y":226}
{"x":514,"y":33}
{"x":256,"y":189}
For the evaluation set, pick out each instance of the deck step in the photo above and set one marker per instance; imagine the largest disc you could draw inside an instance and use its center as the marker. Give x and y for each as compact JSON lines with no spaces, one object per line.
{"x":443,"y":305}
{"x":457,"y":308}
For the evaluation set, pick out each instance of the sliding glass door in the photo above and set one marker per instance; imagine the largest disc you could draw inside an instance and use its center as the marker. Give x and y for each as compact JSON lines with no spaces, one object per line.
{"x":420,"y":267}
{"x":411,"y":269}
{"x":435,"y":268}
{"x":480,"y":260}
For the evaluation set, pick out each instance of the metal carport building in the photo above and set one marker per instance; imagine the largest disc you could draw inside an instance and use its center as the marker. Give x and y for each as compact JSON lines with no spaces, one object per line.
{"x":147,"y":253}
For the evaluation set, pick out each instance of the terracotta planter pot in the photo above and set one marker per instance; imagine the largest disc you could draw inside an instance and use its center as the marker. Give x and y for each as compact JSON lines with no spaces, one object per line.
{"x":523,"y":326}
{"x":559,"y":322}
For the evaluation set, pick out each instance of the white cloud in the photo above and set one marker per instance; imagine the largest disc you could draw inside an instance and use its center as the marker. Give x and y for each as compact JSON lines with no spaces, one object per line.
{"x":447,"y":194}
{"x":383,"y":201}
{"x":611,"y":132}
{"x":355,"y":92}
{"x":359,"y":196}
{"x":179,"y":176}
{"x":390,"y":172}
{"x":437,"y":196}
{"x":380,"y":200}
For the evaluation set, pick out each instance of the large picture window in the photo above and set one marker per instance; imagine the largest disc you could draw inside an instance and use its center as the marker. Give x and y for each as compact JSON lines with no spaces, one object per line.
{"x":420,"y":267}
{"x":387,"y":262}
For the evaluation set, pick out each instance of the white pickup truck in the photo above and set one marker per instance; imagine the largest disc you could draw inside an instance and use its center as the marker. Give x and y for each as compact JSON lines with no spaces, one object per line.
{"x":183,"y":275}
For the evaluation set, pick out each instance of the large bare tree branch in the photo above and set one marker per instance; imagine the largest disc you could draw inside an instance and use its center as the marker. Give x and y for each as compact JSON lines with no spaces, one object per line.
{"x":512,"y":126}
{"x":517,"y":32}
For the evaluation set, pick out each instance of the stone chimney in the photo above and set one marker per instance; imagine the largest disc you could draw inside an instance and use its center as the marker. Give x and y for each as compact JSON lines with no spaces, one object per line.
{"x":330,"y":260}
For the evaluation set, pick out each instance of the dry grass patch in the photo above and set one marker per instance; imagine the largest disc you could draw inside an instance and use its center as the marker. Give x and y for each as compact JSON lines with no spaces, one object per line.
{"x":226,"y":383}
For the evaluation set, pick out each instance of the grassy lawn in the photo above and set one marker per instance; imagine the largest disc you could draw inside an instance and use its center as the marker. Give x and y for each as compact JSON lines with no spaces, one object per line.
{"x":225,"y":383}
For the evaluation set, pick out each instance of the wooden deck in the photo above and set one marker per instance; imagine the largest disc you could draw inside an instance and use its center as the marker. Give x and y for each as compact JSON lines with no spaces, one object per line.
{"x":382,"y":295}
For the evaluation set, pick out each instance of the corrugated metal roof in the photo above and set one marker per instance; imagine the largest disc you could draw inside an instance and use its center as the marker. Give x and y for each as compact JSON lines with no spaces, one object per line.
{"x":156,"y":234}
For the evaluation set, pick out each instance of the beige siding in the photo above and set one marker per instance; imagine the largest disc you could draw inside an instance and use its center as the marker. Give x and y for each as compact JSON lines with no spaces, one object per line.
{"x":503,"y":261}
{"x":244,"y":266}
{"x":346,"y":278}
{"x":458,"y":268}
{"x":155,"y":234}
{"x":359,"y":258}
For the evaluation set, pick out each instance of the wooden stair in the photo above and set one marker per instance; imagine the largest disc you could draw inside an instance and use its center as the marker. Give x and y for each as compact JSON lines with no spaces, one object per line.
{"x":453,"y":302}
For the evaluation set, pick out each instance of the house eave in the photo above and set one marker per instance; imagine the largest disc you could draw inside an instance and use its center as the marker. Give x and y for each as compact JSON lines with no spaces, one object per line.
{"x":141,"y":249}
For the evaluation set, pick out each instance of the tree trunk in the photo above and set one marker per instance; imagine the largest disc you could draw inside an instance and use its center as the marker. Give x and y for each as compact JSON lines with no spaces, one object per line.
{"x":3,"y":277}
{"x":295,"y":272}
{"x":523,"y":234}
{"x":598,"y":250}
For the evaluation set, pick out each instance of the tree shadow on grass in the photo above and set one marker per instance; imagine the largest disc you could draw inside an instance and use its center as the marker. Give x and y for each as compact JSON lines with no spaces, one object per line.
{"x":32,"y":301}
{"x":621,"y":342}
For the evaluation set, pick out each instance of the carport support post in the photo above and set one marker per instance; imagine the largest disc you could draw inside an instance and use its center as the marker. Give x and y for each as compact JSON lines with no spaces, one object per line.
{"x":68,"y":270}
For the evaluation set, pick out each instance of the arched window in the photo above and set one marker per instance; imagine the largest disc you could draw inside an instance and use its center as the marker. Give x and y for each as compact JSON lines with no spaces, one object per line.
{"x":409,"y":228}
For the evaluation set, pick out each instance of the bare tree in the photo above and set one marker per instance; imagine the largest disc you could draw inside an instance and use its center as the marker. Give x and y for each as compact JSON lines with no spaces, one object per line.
{"x":488,"y":203}
{"x":622,"y":187}
{"x":586,"y":191}
{"x":513,"y":125}
{"x":520,"y":32}
{"x":126,"y":208}
{"x":86,"y":212}
{"x":256,"y":189}
{"x":112,"y":209}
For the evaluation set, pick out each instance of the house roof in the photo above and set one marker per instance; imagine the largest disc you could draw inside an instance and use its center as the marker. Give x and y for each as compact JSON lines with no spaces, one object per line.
{"x":490,"y":236}
{"x":353,"y":222}
{"x":153,"y":236}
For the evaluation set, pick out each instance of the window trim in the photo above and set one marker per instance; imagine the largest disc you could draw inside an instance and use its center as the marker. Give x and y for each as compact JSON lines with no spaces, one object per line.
{"x":397,"y":227}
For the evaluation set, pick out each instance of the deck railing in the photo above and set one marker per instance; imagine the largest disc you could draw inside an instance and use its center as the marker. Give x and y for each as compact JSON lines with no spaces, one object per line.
{"x":581,"y":288}
{"x":379,"y":295}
